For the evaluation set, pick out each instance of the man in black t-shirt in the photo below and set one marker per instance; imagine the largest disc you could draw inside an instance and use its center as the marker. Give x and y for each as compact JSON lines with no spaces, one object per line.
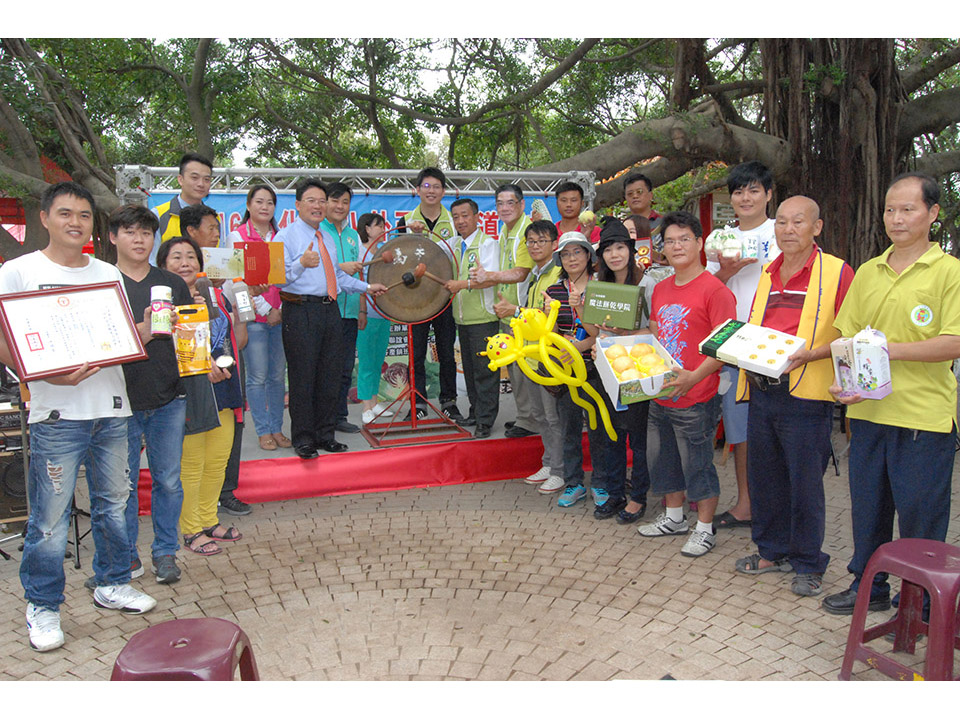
{"x":156,"y":392}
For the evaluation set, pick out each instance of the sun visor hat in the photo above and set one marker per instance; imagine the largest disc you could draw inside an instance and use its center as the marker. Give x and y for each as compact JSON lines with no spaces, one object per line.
{"x":574,"y":238}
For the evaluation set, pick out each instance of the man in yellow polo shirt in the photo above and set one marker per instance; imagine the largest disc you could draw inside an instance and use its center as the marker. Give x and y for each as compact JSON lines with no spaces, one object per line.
{"x":902,"y":448}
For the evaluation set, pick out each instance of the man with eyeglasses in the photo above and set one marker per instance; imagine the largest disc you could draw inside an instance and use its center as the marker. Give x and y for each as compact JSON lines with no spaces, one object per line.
{"x":515,"y":264}
{"x":195,"y":177}
{"x":473,"y":313}
{"x":684,"y":310}
{"x":638,"y":194}
{"x":432,"y":218}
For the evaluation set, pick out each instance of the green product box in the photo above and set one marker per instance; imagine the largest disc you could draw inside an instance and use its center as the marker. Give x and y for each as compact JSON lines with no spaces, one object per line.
{"x":613,"y":304}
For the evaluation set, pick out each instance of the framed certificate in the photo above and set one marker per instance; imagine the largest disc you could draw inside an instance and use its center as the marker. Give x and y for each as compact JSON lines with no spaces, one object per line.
{"x":53,"y":332}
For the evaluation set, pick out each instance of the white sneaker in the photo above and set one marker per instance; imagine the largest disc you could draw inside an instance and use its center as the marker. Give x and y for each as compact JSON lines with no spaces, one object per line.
{"x":538,"y":477}
{"x":123,"y":598}
{"x":551,"y":485}
{"x":44,"y":628}
{"x":381,"y":410}
{"x":664,"y":526}
{"x":699,"y":543}
{"x":367,"y":416}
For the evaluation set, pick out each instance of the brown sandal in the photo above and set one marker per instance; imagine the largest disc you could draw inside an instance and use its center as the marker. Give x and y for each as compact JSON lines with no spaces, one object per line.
{"x":282,"y":440}
{"x":209,"y":547}
{"x":268,"y":442}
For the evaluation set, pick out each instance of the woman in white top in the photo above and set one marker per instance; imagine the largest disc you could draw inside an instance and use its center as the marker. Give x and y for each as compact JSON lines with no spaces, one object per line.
{"x":263,"y":356}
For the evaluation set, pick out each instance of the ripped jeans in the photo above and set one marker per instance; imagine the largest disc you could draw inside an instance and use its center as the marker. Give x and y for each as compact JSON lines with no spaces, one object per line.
{"x":57,"y":449}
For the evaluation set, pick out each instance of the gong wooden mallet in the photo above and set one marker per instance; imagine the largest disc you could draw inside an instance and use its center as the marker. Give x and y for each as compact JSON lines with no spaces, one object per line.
{"x":409,"y":278}
{"x":386,"y":256}
{"x":430,"y":275}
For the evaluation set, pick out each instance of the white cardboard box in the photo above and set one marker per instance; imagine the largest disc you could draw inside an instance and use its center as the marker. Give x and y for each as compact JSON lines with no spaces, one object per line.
{"x":861,"y":364}
{"x":752,"y":347}
{"x":622,"y":394}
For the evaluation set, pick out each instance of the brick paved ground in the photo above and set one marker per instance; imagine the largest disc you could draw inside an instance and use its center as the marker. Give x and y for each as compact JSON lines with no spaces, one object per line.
{"x":481,"y":581}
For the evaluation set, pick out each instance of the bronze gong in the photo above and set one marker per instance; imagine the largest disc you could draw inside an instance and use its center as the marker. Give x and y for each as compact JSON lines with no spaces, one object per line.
{"x":425,"y":297}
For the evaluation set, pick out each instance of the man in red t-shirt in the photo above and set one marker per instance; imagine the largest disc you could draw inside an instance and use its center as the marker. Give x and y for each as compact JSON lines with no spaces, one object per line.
{"x":685,"y":309}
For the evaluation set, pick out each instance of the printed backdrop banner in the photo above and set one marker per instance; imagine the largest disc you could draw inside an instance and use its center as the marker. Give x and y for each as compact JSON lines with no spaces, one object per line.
{"x":231,"y":208}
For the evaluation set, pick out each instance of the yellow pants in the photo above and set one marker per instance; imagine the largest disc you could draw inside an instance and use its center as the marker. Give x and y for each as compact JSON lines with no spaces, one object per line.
{"x":202,"y":469}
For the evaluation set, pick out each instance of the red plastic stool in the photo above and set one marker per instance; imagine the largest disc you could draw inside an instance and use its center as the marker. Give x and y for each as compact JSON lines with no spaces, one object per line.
{"x":922,"y":565}
{"x":190,"y":649}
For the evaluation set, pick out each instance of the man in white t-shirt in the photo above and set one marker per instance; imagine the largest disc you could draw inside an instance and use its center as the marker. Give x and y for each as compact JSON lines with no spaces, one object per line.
{"x":76,"y":418}
{"x":751,"y":187}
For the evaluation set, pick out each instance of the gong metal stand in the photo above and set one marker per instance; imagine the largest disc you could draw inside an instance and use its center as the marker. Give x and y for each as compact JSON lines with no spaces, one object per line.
{"x":415,"y":431}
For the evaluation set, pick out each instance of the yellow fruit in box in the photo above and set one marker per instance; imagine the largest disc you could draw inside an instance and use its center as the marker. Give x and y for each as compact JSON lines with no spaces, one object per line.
{"x":622,"y":363}
{"x":630,"y":374}
{"x":615,"y":351}
{"x":642,"y":349}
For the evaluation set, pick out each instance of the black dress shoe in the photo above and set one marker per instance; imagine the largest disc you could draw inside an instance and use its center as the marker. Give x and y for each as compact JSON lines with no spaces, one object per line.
{"x":517,"y":432}
{"x":509,"y":424}
{"x":628,"y":518}
{"x":347,"y":427}
{"x":610,"y":508}
{"x":468,"y":421}
{"x":306,"y":452}
{"x":482,"y":431}
{"x":331,"y":446}
{"x":842,"y":603}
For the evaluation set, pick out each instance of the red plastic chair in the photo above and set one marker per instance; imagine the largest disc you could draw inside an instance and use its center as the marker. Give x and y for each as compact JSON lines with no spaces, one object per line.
{"x":190,"y":649}
{"x":922,"y":565}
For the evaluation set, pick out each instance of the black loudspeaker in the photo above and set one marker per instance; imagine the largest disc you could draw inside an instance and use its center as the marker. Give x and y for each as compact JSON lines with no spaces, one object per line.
{"x":12,"y":478}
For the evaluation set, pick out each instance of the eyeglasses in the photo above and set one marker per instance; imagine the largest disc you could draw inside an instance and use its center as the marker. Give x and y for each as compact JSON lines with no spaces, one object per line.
{"x":507,"y":203}
{"x":535,"y":243}
{"x":575,"y":252}
{"x":677,"y":241}
{"x":431,"y":186}
{"x":314,"y":201}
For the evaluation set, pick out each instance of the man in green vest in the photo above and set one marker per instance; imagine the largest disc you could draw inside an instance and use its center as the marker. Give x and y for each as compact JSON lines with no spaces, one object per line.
{"x":790,"y":418}
{"x":337,"y":223}
{"x":515,"y":264}
{"x":196,"y":175}
{"x":473,"y":313}
{"x":432,"y":218}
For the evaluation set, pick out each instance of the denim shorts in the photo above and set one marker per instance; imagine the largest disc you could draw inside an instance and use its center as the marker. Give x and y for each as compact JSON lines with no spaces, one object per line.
{"x":735,"y":415}
{"x":680,"y":449}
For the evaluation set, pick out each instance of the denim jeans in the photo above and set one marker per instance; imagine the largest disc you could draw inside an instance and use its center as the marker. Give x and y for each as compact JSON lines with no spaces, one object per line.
{"x":163,"y":430}
{"x":680,"y":449}
{"x":58,"y":447}
{"x":610,"y":457}
{"x":266,"y":369}
{"x":571,"y":423}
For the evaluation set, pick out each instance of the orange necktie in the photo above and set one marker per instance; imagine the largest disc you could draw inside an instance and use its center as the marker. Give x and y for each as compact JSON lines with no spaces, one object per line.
{"x":327,"y":267}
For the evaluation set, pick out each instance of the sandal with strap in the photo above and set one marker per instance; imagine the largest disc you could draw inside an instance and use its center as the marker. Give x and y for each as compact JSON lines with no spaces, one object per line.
{"x":750,"y":565}
{"x":209,"y":547}
{"x":282,"y":440}
{"x":268,"y":442}
{"x":227,"y":534}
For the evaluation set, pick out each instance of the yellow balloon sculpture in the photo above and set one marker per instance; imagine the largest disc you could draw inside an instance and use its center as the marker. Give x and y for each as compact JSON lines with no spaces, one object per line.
{"x":533,"y":337}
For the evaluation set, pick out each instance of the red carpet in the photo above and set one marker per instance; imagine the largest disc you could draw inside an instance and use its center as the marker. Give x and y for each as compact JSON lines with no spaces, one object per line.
{"x":383,"y":470}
